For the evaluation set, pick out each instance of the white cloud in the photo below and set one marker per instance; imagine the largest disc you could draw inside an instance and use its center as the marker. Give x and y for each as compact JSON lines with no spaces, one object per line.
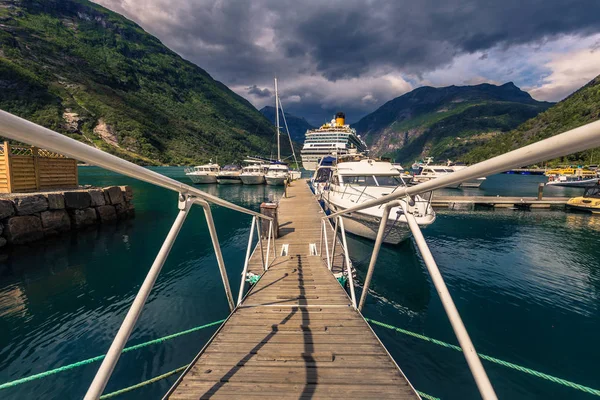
{"x":570,"y":71}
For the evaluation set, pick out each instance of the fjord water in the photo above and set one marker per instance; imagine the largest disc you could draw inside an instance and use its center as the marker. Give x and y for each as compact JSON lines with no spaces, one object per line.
{"x":527,"y":285}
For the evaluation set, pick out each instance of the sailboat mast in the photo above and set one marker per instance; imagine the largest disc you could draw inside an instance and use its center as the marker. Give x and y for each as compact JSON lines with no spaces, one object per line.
{"x":277,"y":120}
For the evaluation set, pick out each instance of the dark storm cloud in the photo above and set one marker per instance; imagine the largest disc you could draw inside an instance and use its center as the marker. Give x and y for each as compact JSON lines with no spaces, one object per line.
{"x":246,"y":43}
{"x":258,"y":92}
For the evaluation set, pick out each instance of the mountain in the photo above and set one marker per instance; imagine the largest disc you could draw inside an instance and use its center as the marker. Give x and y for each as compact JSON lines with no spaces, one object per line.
{"x":297,"y":125}
{"x":578,"y":109}
{"x":445,"y":122}
{"x":80,"y":69}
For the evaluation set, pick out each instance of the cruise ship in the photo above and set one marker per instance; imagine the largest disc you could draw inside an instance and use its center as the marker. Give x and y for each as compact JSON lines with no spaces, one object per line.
{"x":332,"y":139}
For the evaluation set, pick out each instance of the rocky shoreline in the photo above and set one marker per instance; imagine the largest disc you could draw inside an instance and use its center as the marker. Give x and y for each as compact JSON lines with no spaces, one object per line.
{"x":26,"y":218}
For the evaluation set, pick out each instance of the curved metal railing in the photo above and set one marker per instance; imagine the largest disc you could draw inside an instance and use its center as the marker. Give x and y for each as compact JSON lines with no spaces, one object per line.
{"x":578,"y":139}
{"x":19,"y":129}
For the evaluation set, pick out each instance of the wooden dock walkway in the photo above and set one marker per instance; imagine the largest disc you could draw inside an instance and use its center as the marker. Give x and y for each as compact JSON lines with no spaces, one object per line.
{"x":296,"y":334}
{"x":470,"y":202}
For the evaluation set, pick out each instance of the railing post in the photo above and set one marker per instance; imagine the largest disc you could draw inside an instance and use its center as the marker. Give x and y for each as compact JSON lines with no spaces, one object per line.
{"x":481,"y":379}
{"x":348,"y":262}
{"x":374,"y":255}
{"x":268,"y":245}
{"x":333,"y":244}
{"x":326,"y":243}
{"x":321,"y":240}
{"x":114,"y":352}
{"x":246,"y":260}
{"x":215,"y":240}
{"x":274,"y":242}
{"x":258,"y":231}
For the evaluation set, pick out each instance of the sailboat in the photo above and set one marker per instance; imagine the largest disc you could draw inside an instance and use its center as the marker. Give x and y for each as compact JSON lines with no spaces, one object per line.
{"x":278,"y":172}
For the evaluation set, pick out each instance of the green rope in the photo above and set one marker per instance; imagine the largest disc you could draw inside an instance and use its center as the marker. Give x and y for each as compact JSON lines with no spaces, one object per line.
{"x":98,"y":358}
{"x":422,"y":394}
{"x":142,"y":384}
{"x":506,"y":364}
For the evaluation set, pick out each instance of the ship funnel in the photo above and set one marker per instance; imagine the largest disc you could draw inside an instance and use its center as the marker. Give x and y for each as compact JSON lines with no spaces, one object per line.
{"x":340,"y":119}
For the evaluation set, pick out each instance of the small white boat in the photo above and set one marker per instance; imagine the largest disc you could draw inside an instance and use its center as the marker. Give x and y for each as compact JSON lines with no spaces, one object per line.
{"x":406,"y":176}
{"x":206,"y":173}
{"x":229,"y":175}
{"x":277,"y":174}
{"x":428,"y":172}
{"x":473,"y":183}
{"x":575,"y":181}
{"x":354,"y":182}
{"x":253,"y":175}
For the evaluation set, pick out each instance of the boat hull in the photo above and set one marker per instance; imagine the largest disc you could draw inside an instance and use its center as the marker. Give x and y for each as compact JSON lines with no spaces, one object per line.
{"x":418,"y":180}
{"x":580,"y":184}
{"x":472,"y":184}
{"x":367,"y":226}
{"x":275,"y":180}
{"x":309,"y":165}
{"x":202,"y":179}
{"x":229,"y":180}
{"x":252,"y":179}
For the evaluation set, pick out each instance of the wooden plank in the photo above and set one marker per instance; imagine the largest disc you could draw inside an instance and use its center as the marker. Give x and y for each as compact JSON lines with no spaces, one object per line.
{"x":295,"y":335}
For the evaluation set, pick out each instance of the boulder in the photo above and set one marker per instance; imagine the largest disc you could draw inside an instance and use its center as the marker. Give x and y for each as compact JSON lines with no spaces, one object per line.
{"x":56,"y":201}
{"x":122,"y":211}
{"x":55,"y":221}
{"x":28,"y":205}
{"x":127,"y":193}
{"x":115,"y":195}
{"x":23,"y":229}
{"x":3,"y":242}
{"x":83,"y":218}
{"x":106,"y":213}
{"x":77,"y":200}
{"x":97,"y":196}
{"x":7,"y":209}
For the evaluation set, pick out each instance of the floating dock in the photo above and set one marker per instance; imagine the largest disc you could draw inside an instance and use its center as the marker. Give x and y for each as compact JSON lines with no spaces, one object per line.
{"x":295,"y":334}
{"x":472,"y":202}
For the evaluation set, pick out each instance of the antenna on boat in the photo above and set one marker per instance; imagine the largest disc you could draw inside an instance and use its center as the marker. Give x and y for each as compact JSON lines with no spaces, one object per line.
{"x":277,"y":120}
{"x":289,"y":136}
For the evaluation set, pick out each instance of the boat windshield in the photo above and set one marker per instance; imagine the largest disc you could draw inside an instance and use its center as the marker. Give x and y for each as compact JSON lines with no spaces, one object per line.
{"x":323,"y":175}
{"x":593,"y":192}
{"x":370,"y":180}
{"x":389,"y":181}
{"x":231,"y":168}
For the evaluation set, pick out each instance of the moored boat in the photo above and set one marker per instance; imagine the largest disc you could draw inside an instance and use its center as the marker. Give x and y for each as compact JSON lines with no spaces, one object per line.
{"x":354,"y":182}
{"x":571,"y":177}
{"x":206,"y":173}
{"x":277,"y":174}
{"x":230,"y":174}
{"x":253,"y":174}
{"x":590,"y":201}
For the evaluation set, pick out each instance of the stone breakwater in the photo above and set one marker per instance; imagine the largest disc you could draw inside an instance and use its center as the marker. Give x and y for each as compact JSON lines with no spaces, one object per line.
{"x":26,"y":218}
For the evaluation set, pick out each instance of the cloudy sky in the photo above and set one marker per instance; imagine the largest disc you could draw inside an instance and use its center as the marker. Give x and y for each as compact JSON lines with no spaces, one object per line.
{"x":356,"y":55}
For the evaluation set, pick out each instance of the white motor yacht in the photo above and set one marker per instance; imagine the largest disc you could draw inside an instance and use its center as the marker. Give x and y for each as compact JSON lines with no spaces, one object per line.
{"x":473,"y":183}
{"x":206,"y":173}
{"x":426,"y":171}
{"x":277,"y":174}
{"x":230,"y":174}
{"x":253,"y":174}
{"x":354,"y":182}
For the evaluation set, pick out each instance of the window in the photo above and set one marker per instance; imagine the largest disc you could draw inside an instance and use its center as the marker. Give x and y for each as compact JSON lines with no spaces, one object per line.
{"x":359,"y":180}
{"x":389,"y":181}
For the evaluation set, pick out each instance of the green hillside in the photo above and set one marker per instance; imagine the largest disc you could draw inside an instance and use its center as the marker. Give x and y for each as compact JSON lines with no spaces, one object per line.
{"x":445,"y":122}
{"x":578,"y":109}
{"x":78,"y":68}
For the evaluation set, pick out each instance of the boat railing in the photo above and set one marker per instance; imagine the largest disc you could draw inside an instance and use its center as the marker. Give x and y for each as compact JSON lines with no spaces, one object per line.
{"x":21,"y":130}
{"x":572,"y":141}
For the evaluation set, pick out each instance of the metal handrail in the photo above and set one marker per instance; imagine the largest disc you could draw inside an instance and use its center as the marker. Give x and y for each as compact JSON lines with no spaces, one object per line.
{"x":17,"y":128}
{"x":572,"y":141}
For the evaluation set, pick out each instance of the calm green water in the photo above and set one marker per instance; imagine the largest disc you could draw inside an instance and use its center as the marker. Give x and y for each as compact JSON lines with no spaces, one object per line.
{"x":527,"y":285}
